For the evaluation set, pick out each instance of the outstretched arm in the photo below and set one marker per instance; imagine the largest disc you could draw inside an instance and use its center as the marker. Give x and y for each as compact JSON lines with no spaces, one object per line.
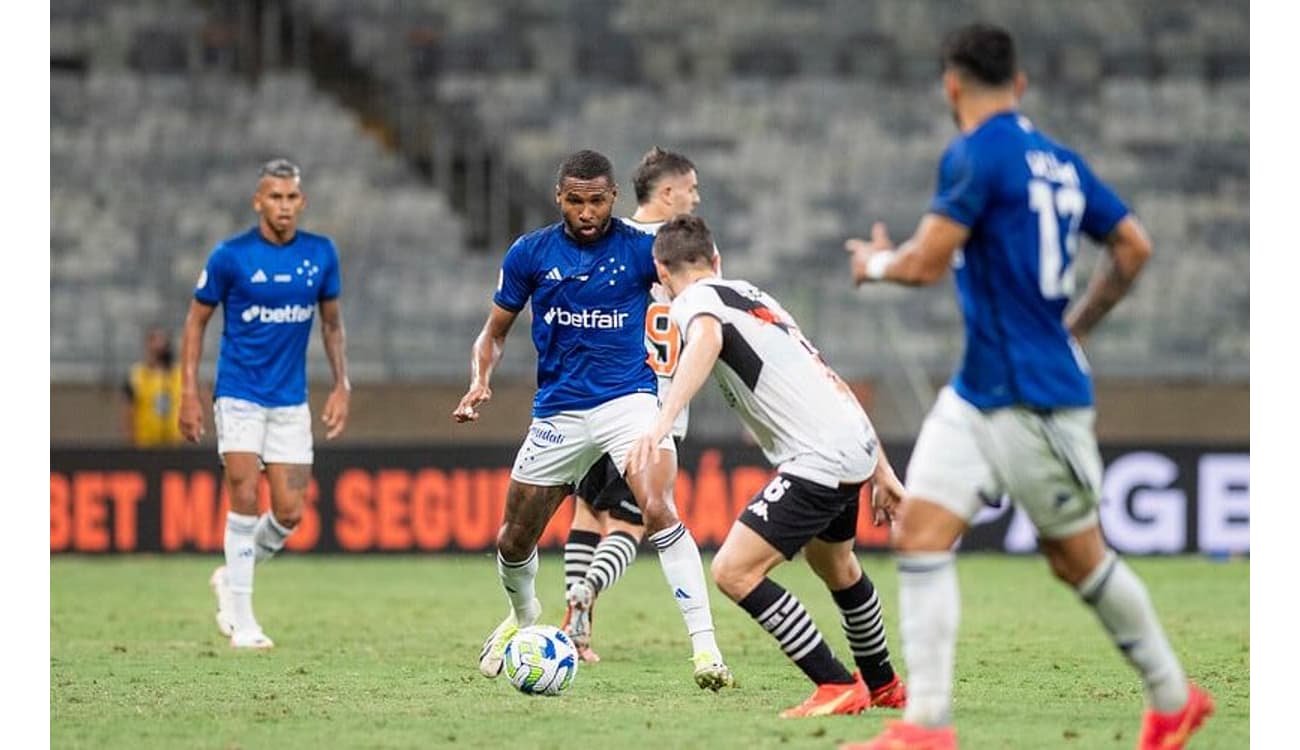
{"x":703,"y":345}
{"x":335,"y":414}
{"x":1127,"y":250}
{"x":191,"y":411}
{"x":922,"y":259}
{"x":488,"y":348}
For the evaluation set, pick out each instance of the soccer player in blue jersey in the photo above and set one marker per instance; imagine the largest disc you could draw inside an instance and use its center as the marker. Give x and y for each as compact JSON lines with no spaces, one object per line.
{"x":607,"y":524}
{"x":270,"y":281}
{"x":587,"y":279}
{"x":1017,"y":418}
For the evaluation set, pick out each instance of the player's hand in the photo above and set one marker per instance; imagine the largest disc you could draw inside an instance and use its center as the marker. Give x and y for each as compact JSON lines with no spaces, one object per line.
{"x":335,"y":415}
{"x":643,"y":453}
{"x":191,"y":418}
{"x":886,"y":495}
{"x":860,"y":251}
{"x":467,"y":410}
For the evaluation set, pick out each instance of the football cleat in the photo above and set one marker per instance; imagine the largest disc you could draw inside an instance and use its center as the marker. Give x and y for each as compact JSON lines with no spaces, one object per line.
{"x":711,"y":673}
{"x":899,"y":735}
{"x":831,"y":699}
{"x":250,"y":638}
{"x":225,"y":606}
{"x":494,"y":648}
{"x":581,"y":599}
{"x":891,"y":695}
{"x":1171,"y":731}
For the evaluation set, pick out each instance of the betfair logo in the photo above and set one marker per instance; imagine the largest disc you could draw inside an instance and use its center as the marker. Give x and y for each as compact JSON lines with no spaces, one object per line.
{"x":585,"y":319}
{"x":285,"y":314}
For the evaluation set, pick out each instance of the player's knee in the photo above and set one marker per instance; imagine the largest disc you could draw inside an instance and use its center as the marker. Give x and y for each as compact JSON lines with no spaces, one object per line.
{"x":243,"y":494}
{"x":658,"y":515}
{"x":732,"y":579}
{"x":288,"y":518}
{"x":838,"y":571}
{"x":511,"y":543}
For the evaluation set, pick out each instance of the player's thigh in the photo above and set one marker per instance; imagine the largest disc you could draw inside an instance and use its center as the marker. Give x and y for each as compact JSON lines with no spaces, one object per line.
{"x":1051,"y":467}
{"x":743,"y":560}
{"x":557,"y":451}
{"x":288,"y":435}
{"x":241,"y":426}
{"x":948,"y":466}
{"x":791,"y":511}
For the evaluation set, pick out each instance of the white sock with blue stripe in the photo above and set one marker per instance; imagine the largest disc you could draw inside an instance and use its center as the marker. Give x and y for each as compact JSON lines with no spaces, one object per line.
{"x":680,"y":559}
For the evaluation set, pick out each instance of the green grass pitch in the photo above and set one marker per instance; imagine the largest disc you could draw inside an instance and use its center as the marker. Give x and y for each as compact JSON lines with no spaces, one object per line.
{"x":381,"y":652}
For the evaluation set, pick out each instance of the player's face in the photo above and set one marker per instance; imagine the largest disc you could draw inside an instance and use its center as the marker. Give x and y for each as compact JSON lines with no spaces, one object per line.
{"x":278,"y":202}
{"x":587,"y":206}
{"x":682,"y":192}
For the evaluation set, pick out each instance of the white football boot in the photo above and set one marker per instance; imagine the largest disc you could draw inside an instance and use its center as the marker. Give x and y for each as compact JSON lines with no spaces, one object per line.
{"x":225,"y":602}
{"x":494,"y":648}
{"x":250,"y":637}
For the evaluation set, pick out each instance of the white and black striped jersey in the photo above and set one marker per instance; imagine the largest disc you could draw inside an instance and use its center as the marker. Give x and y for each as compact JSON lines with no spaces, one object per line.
{"x":663,"y":342}
{"x":799,"y":411}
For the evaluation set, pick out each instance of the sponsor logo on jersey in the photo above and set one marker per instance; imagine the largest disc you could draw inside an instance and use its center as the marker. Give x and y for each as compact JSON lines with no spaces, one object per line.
{"x":586,"y":319}
{"x":285,"y":314}
{"x":545,"y":434}
{"x":259,"y":277}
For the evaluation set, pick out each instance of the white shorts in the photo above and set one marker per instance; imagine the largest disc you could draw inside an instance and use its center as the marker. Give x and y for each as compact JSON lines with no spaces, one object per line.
{"x":561,"y":448}
{"x":1046,"y":462}
{"x":279,"y":434}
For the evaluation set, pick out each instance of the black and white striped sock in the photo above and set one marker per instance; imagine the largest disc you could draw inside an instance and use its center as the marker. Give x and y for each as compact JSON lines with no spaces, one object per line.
{"x":578,"y":553}
{"x":781,"y":614}
{"x":864,"y":627}
{"x":614,"y":553}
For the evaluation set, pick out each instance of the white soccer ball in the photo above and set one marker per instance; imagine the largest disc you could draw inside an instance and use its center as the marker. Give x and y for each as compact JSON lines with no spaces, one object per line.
{"x":541,"y":660}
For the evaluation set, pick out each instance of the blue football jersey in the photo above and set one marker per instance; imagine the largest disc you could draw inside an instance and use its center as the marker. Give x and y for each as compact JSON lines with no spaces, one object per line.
{"x":268,"y":295}
{"x":589,"y":305}
{"x":1025,"y":198}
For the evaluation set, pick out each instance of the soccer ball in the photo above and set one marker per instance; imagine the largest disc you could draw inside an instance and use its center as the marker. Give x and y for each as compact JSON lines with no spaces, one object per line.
{"x":541,"y":660}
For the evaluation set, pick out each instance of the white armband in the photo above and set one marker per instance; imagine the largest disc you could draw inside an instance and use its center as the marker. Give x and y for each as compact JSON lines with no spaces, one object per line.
{"x":878,"y":264}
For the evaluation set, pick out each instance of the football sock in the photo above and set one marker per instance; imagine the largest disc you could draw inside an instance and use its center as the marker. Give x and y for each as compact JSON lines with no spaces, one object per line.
{"x":864,"y":627}
{"x":578,"y":552}
{"x":268,"y":537}
{"x":680,"y":560}
{"x":781,"y":614}
{"x":615,"y":552}
{"x":929,"y":609}
{"x":1122,"y":604}
{"x":518,"y":579}
{"x":239,"y":566}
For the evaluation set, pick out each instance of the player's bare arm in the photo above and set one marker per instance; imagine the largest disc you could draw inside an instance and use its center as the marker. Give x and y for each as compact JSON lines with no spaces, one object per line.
{"x":488,"y":347}
{"x":191,"y":411}
{"x":703,"y":345}
{"x":335,"y":414}
{"x":1127,"y":250}
{"x":921,"y":260}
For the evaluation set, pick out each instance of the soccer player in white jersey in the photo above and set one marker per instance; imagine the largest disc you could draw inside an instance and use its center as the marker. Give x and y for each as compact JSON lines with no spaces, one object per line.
{"x":607,"y":524}
{"x":587,"y":279}
{"x":1017,"y":418}
{"x":812,"y":428}
{"x":270,"y":281}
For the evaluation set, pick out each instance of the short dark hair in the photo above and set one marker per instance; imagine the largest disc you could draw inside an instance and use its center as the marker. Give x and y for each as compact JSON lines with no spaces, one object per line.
{"x":656,"y":163}
{"x":585,"y":165}
{"x":684,"y":240}
{"x":282,"y":168}
{"x":981,"y":51}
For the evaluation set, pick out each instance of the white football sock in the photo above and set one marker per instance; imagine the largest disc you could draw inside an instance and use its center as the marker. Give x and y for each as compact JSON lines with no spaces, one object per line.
{"x":1122,"y":604}
{"x":929,"y":611}
{"x":518,"y":579}
{"x":268,"y":537}
{"x":680,"y":559}
{"x":240,"y":559}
